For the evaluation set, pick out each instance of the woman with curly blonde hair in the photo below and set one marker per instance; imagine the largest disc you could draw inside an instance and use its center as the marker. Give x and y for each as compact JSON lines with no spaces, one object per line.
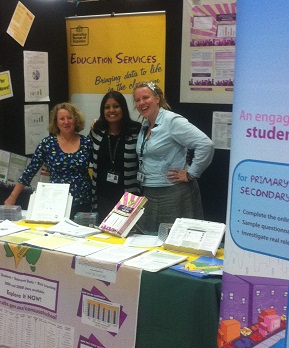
{"x":66,"y":155}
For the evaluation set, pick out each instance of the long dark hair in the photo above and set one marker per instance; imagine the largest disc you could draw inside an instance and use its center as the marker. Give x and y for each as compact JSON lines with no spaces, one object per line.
{"x":127,"y":125}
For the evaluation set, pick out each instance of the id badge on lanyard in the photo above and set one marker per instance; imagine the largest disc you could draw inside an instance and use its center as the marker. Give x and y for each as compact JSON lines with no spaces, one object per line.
{"x":140,"y":177}
{"x":112,"y":177}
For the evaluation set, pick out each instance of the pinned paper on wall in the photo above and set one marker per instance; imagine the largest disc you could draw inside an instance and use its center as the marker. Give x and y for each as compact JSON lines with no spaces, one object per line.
{"x":20,"y":23}
{"x":5,"y":85}
{"x":36,"y":82}
{"x":221,"y":129}
{"x":208,"y":51}
{"x":36,"y":119}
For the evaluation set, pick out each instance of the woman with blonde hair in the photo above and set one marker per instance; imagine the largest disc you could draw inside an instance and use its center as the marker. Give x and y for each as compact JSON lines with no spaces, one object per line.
{"x":66,"y":154}
{"x":167,"y":180}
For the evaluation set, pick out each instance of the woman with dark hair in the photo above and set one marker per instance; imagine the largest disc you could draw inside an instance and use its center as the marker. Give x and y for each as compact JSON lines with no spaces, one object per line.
{"x":115,"y":163}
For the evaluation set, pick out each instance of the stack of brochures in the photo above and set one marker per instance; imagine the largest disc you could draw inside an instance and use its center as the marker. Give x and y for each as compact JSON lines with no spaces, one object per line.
{"x":202,"y":267}
{"x":10,"y":212}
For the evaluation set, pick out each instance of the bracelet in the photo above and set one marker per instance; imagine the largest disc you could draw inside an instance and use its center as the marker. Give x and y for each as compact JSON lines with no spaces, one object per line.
{"x":190,"y":177}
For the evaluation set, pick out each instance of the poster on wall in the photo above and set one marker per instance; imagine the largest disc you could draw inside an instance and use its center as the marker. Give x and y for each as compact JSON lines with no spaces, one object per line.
{"x":5,"y":85}
{"x":4,"y":165}
{"x":254,"y":300}
{"x":36,"y":79}
{"x":20,"y":23}
{"x":221,"y":130}
{"x":100,"y":59}
{"x":208,"y":51}
{"x":36,"y":119}
{"x":17,"y":164}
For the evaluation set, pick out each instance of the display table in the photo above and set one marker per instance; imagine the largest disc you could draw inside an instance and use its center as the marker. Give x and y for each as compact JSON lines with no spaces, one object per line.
{"x":174,"y":310}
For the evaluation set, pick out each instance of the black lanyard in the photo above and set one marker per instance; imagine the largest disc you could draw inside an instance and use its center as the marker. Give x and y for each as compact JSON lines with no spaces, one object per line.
{"x":112,"y":155}
{"x":145,"y":139}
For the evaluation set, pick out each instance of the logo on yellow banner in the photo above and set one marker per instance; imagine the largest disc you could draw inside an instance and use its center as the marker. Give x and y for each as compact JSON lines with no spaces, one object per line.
{"x":79,"y":36}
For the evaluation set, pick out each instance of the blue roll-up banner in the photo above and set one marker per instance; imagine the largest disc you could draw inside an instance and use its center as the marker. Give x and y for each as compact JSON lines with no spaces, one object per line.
{"x":254,"y":298}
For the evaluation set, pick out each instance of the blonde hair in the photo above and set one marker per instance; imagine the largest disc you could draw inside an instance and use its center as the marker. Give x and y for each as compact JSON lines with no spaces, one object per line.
{"x":156,"y":91}
{"x":79,"y":120}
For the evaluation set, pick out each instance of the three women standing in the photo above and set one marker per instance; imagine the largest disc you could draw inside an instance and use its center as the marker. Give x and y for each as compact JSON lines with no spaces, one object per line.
{"x":125,"y":156}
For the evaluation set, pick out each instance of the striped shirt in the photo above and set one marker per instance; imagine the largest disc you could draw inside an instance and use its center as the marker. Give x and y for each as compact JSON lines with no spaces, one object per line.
{"x":130,"y":163}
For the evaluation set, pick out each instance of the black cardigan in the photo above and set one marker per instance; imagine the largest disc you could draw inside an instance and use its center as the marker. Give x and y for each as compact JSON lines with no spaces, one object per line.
{"x":131,"y":183}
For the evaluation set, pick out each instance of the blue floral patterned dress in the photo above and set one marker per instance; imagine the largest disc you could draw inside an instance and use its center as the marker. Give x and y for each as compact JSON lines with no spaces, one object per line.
{"x":69,"y":168}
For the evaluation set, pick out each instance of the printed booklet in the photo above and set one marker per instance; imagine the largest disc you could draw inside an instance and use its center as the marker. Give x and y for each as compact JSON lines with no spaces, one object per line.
{"x":124,"y":215}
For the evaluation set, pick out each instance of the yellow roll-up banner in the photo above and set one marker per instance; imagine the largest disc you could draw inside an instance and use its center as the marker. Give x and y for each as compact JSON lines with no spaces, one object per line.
{"x":113,"y":53}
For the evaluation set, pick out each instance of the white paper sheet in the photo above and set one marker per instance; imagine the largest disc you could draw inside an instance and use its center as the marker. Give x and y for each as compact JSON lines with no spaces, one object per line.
{"x":71,"y":228}
{"x":155,"y":260}
{"x":83,"y":247}
{"x":116,"y":254}
{"x":8,"y":227}
{"x":140,"y":240}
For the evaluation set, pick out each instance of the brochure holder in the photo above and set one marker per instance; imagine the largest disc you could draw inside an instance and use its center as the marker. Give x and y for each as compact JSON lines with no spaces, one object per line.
{"x":49,"y":204}
{"x":124,"y":215}
{"x":195,"y":236}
